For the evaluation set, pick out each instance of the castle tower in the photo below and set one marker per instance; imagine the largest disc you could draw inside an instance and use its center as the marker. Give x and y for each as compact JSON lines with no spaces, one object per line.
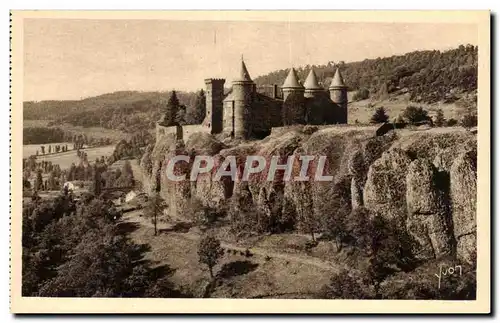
{"x":312,"y":87}
{"x":293,"y":111}
{"x":243,"y":93}
{"x":338,"y":94}
{"x":319,"y":109}
{"x":214,"y":96}
{"x":292,"y":84}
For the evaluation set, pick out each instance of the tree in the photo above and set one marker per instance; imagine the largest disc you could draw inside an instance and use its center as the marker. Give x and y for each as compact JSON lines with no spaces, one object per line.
{"x":361,"y":94}
{"x":51,"y":182}
{"x":96,"y":183}
{"x":383,"y":92}
{"x":196,"y":113}
{"x":334,"y":215}
{"x":154,"y":208}
{"x":209,"y":252}
{"x":38,"y":180}
{"x":440,"y":121}
{"x":180,"y":117}
{"x":468,"y":121}
{"x":414,"y":115}
{"x":306,"y":217}
{"x":171,"y":110}
{"x":380,"y":116}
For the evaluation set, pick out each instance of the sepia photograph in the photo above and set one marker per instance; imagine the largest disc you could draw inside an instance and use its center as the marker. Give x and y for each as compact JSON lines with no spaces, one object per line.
{"x":273,"y":162}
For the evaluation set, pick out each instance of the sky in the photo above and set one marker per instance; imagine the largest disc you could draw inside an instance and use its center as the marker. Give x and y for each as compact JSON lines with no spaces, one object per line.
{"x":73,"y":59}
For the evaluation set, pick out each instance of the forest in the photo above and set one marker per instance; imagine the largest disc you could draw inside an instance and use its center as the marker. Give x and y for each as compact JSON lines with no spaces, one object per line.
{"x":127,"y":111}
{"x":75,"y":249}
{"x":429,"y":76}
{"x":47,"y":135}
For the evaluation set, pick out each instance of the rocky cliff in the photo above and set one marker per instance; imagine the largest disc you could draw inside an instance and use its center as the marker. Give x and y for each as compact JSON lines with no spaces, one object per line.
{"x":422,"y":180}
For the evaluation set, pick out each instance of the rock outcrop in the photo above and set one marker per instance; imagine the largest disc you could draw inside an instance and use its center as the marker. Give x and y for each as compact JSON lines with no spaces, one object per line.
{"x":463,"y":180}
{"x":385,"y":188}
{"x":427,"y":221}
{"x":422,"y":181}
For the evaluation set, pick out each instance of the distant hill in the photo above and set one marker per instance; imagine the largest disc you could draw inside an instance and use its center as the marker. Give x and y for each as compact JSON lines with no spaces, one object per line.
{"x":127,"y":111}
{"x":428,"y":76}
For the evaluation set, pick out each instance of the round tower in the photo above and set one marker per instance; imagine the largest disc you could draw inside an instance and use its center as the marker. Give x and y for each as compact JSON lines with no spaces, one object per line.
{"x":292,"y":84}
{"x":338,"y":95}
{"x":318,"y":105}
{"x":242,"y":93}
{"x":312,"y":87}
{"x":293,"y":111}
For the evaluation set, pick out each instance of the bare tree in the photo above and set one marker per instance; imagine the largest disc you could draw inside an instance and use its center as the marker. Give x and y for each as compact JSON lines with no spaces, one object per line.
{"x":155,"y":208}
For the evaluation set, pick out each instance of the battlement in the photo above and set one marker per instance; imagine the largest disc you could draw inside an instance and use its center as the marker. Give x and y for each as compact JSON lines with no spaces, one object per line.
{"x":214,"y":80}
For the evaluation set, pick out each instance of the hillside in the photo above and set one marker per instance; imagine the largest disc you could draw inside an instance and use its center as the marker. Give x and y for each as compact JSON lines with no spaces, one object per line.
{"x":428,"y":76}
{"x":127,"y":111}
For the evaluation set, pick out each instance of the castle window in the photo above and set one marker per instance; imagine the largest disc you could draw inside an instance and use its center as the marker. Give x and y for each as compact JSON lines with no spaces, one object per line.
{"x":209,"y":124}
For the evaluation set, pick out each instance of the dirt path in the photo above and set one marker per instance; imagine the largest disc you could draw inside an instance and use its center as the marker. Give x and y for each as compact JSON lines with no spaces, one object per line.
{"x":303,"y":259}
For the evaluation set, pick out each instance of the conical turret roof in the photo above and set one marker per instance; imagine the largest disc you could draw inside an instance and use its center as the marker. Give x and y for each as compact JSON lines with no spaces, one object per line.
{"x":311,"y":82}
{"x":292,"y":81}
{"x":338,"y":80}
{"x":244,"y":75}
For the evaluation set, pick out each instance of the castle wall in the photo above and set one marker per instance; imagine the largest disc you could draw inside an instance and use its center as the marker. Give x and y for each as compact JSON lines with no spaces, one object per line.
{"x":266,"y":113}
{"x":162,"y":131}
{"x":293,"y":110}
{"x":180,"y":132}
{"x":320,"y":109}
{"x":228,"y":114}
{"x":188,"y":130}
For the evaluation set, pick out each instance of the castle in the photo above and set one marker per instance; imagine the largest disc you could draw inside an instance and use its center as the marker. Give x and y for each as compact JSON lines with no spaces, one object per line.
{"x":245,"y":113}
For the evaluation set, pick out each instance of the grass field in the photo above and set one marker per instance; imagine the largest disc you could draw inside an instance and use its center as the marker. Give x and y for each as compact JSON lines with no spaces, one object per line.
{"x":67,"y":158}
{"x":363,"y":110}
{"x":266,"y":273}
{"x":29,"y":150}
{"x":95,"y":132}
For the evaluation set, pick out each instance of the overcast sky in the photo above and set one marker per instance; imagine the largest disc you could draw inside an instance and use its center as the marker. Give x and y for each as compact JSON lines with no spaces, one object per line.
{"x":73,"y":59}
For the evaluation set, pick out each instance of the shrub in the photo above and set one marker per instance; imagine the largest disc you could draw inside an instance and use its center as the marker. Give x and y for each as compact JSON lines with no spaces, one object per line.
{"x":201,"y":214}
{"x":414,"y":115}
{"x":380,"y":116}
{"x":345,"y":286}
{"x":439,"y":120}
{"x":429,"y":282}
{"x":451,"y":122}
{"x":361,"y":94}
{"x":468,"y":121}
